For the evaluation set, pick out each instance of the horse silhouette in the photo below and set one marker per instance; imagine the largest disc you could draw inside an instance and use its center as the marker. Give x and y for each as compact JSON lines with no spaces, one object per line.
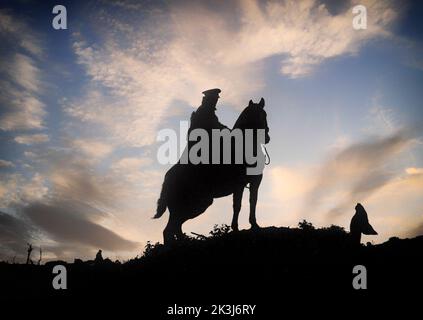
{"x":188,"y":189}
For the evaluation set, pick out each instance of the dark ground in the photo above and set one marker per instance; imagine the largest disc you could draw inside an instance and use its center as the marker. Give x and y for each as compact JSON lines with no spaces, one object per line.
{"x":275,"y":268}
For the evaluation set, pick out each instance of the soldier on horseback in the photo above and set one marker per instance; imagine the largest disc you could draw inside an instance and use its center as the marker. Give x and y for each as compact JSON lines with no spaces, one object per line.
{"x":205,"y":117}
{"x":190,"y":187}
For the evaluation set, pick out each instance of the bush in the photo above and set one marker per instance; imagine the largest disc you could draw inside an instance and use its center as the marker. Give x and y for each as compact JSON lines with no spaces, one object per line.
{"x":151,"y":248}
{"x":219,"y":231}
{"x":305,"y":225}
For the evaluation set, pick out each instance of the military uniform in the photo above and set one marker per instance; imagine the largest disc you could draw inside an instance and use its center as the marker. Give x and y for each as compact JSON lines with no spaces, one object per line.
{"x":205,"y":118}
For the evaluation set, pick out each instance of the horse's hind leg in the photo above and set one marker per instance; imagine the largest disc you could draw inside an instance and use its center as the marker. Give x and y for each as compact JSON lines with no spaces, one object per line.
{"x":178,"y":229}
{"x":173,"y":230}
{"x":169,"y":232}
{"x":254,"y":186}
{"x":237,"y":200}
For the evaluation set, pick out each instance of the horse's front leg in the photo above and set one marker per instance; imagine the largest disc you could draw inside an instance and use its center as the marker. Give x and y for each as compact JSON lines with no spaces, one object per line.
{"x":237,"y":200}
{"x":254,"y":186}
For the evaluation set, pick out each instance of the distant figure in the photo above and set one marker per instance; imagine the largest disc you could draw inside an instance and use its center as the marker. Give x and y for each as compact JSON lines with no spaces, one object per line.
{"x":28,"y":257}
{"x":98,"y":257}
{"x":360,"y":225}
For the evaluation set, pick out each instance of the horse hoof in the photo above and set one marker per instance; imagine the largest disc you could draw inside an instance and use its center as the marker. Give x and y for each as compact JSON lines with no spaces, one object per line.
{"x":255,"y":226}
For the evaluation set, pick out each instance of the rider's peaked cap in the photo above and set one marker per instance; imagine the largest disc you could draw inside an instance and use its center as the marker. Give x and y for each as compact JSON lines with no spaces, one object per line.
{"x":212,"y":92}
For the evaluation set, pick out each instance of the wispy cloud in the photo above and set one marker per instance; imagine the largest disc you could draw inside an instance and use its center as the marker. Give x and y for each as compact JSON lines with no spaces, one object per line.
{"x":17,"y":33}
{"x":178,"y":53}
{"x":92,"y":148}
{"x":30,"y":139}
{"x":65,"y":223}
{"x":6,"y":164}
{"x":68,"y":202}
{"x":21,"y":84}
{"x":357,"y":171}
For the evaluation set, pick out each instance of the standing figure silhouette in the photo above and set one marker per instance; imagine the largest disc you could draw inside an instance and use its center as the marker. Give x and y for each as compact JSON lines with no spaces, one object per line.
{"x":360,"y":225}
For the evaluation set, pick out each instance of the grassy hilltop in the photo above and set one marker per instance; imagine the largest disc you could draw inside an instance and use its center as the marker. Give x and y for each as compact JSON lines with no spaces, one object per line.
{"x":237,"y":265}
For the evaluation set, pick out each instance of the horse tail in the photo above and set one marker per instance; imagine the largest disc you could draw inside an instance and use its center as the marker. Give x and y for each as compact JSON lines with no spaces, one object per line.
{"x":162,"y":202}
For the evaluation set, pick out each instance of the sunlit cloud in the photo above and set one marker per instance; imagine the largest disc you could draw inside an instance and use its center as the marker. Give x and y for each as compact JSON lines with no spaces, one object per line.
{"x":196,"y":47}
{"x":56,"y":219}
{"x":91,"y":148}
{"x":21,"y":84}
{"x":6,"y":164}
{"x":360,"y":169}
{"x":29,"y":139}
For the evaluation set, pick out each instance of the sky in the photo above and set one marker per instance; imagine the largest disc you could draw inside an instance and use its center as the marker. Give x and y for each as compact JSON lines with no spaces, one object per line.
{"x":80,"y":110}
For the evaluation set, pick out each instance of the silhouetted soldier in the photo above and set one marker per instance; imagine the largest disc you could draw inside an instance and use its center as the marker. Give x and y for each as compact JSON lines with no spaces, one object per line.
{"x":205,"y":116}
{"x":360,"y":225}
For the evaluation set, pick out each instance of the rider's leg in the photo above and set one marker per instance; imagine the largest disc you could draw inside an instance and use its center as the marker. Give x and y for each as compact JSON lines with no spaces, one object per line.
{"x":237,"y":200}
{"x":254,"y":186}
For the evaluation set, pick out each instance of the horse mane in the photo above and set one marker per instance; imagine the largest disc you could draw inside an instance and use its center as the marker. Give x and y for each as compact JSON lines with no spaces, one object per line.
{"x":240,"y":122}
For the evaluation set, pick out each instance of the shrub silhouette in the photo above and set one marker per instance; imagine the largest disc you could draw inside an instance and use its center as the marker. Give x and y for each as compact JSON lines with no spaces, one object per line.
{"x":305,"y":225}
{"x":219,"y":231}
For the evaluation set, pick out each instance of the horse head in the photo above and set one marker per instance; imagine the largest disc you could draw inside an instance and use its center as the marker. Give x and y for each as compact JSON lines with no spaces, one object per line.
{"x":254,"y":117}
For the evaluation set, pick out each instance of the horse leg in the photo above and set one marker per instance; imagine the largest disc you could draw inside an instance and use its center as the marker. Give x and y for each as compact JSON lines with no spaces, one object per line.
{"x":171,"y":229}
{"x":237,"y":200}
{"x":178,"y":229}
{"x":254,"y":186}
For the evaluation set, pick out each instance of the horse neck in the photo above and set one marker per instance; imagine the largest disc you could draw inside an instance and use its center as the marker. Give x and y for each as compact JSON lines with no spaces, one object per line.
{"x":240,"y":122}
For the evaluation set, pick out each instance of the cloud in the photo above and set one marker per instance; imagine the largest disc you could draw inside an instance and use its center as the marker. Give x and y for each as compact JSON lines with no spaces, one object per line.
{"x":174,"y":53}
{"x":417,"y":231}
{"x":14,"y":234}
{"x":396,"y":208}
{"x":303,"y":34}
{"x":69,"y":204}
{"x":35,"y":189}
{"x":24,"y":111}
{"x":21,"y":83}
{"x":356,"y":172}
{"x":69,"y":224}
{"x":24,"y":73}
{"x":29,"y":139}
{"x":414,"y":171}
{"x":92,"y":148}
{"x":289,"y":182}
{"x":130,"y":164}
{"x":9,"y":193}
{"x":17,"y":189}
{"x":16,"y":33}
{"x":6,"y":164}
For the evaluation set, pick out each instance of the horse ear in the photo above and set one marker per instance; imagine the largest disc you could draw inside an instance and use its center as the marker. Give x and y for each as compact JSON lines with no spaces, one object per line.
{"x":250,"y":103}
{"x":261,"y":103}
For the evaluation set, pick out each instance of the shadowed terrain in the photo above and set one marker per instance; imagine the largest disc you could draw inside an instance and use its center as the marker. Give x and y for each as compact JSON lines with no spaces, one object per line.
{"x":264,"y":266}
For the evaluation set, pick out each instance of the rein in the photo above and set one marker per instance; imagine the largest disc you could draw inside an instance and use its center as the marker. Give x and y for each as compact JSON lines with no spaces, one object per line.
{"x":267,"y":161}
